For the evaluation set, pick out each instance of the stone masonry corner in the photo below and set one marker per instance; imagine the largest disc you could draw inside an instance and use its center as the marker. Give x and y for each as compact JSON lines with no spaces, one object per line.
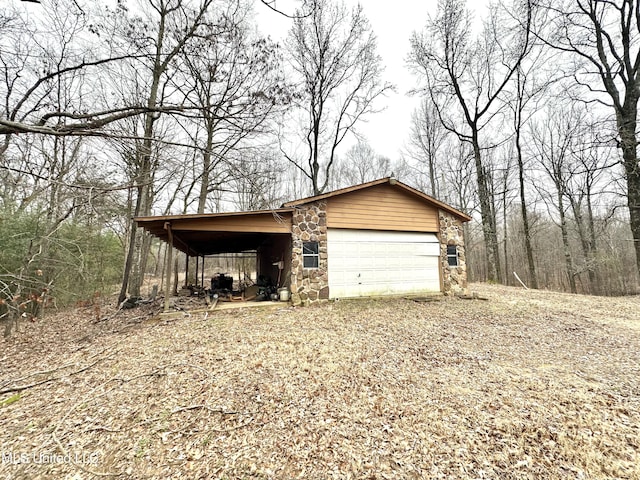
{"x":309,"y":224}
{"x":454,"y":279}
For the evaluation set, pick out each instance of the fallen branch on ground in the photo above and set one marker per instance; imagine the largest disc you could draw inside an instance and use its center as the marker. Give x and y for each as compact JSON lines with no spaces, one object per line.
{"x":20,"y":388}
{"x":204,"y":407}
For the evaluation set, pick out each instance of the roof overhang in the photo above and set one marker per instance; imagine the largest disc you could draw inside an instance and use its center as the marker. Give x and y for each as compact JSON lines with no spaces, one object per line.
{"x":213,"y":233}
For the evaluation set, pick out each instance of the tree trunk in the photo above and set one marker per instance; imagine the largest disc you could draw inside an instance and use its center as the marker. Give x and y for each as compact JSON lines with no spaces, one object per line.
{"x":533,"y":277}
{"x":134,"y":266}
{"x":594,"y":278}
{"x":626,"y":120}
{"x":432,"y":174}
{"x":128,"y":265}
{"x":206,"y":170}
{"x":494,"y":272}
{"x":585,"y":243}
{"x":565,"y":244}
{"x":504,"y":227}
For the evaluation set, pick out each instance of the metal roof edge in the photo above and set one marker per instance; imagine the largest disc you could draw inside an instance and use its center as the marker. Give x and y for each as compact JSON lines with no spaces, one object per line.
{"x":211,"y":215}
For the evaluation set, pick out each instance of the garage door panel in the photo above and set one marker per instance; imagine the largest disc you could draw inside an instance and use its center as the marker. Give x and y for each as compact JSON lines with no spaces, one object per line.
{"x":363,"y":262}
{"x":340,"y":234}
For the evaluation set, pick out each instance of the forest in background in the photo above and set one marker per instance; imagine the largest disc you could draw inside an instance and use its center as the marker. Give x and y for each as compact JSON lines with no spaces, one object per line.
{"x":526,"y":121}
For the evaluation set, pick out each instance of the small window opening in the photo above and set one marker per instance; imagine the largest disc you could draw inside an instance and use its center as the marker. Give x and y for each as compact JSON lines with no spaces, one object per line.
{"x":310,"y":255}
{"x":452,"y":255}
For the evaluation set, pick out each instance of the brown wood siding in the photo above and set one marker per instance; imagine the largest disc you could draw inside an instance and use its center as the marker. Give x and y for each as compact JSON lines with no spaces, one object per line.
{"x":262,"y":223}
{"x":381,"y":208}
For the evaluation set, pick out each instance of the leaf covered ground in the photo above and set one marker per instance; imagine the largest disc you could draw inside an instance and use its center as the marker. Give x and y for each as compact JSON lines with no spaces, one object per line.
{"x":528,"y":384}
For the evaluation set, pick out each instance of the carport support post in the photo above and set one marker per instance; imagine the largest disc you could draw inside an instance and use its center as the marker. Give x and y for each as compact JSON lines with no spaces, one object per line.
{"x":186,"y":269}
{"x":202,"y":271}
{"x":169,"y":264}
{"x":197,"y":268}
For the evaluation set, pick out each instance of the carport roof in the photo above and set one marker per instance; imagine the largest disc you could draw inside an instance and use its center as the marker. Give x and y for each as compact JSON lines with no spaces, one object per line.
{"x":212,"y":233}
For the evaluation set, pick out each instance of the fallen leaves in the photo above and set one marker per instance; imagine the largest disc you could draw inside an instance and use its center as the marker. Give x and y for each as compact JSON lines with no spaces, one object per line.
{"x":528,"y":385}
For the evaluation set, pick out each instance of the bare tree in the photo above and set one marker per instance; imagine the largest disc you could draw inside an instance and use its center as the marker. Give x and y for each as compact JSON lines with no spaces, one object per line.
{"x":504,"y":181}
{"x":361,"y":164}
{"x":167,"y":29}
{"x":257,"y":184}
{"x":602,"y":37}
{"x":333,"y":54}
{"x":458,"y":187}
{"x":427,"y":136}
{"x":590,"y":161}
{"x":22,"y":108}
{"x":31,"y":65}
{"x":531,"y":82}
{"x":232,"y":78}
{"x":55,"y":180}
{"x":470,"y":75}
{"x":553,"y":141}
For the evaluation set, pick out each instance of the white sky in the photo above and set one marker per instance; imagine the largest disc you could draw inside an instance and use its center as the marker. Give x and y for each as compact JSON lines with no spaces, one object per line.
{"x":393,"y":23}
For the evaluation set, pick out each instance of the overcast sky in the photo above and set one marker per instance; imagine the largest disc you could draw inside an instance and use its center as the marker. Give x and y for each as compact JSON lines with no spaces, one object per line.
{"x":393,"y":24}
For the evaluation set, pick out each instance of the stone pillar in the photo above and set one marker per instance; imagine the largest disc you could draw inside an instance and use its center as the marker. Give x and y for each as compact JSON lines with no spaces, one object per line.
{"x":309,"y":225}
{"x":454,"y":279}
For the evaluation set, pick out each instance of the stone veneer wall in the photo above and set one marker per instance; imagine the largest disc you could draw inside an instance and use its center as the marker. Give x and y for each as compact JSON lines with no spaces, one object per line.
{"x":309,"y":225}
{"x":454,"y":279}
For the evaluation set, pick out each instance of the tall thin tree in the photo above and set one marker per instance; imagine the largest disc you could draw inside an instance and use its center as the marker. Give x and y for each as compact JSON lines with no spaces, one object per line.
{"x":470,"y":74}
{"x":333,"y":54}
{"x":173,"y":24}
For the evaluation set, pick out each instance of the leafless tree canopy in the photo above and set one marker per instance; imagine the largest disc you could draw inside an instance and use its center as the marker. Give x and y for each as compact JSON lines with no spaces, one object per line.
{"x":601,"y":40}
{"x":333,"y":54}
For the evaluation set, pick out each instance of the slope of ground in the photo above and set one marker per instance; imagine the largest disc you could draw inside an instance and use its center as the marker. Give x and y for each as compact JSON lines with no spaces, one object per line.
{"x":525,"y":385}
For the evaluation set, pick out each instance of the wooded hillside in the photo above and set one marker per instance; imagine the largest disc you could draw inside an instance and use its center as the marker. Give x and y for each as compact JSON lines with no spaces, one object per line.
{"x":525,"y":120}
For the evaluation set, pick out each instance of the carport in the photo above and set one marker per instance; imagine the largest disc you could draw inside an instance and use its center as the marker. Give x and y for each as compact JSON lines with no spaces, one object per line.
{"x":265,"y":232}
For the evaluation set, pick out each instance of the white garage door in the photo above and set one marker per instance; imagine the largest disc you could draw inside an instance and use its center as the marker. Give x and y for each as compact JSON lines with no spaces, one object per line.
{"x":366,"y":262}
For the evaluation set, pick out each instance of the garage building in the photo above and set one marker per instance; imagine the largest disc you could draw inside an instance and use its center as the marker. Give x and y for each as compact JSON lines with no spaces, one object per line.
{"x":378,"y":238}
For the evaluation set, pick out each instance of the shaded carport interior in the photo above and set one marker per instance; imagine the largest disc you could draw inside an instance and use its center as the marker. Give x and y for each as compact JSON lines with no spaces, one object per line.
{"x":266,"y":232}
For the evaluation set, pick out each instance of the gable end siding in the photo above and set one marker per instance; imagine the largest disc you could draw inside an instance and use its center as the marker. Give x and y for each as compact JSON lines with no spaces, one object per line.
{"x":381,"y":207}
